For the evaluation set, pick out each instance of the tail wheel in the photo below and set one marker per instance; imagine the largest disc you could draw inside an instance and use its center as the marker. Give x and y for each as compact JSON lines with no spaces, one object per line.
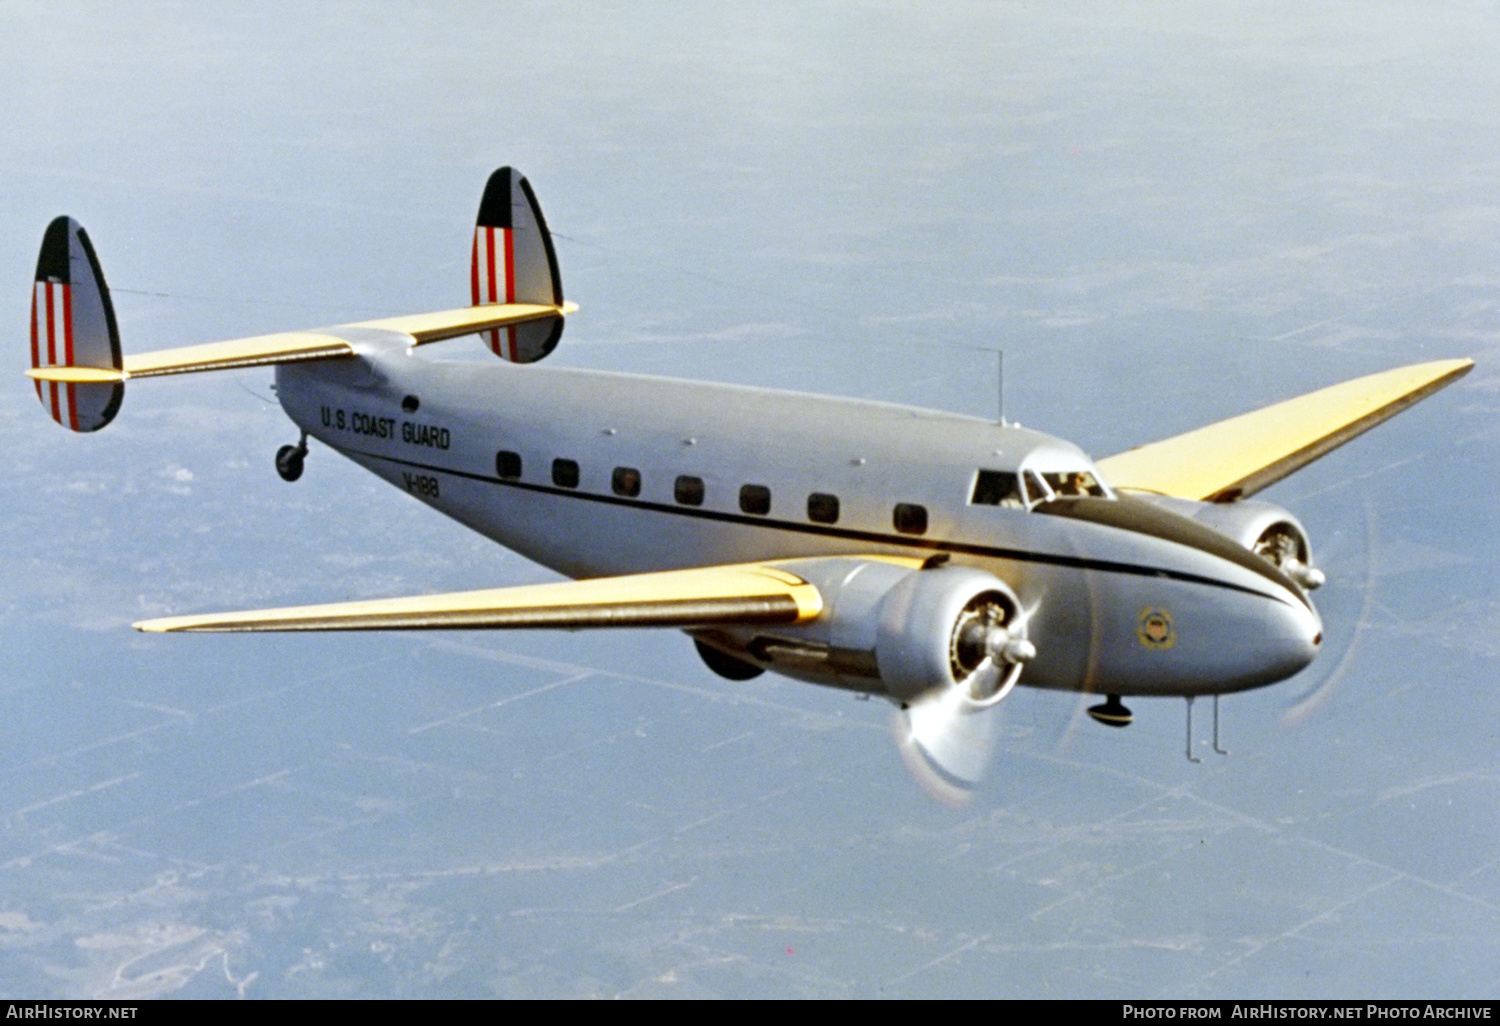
{"x":289,"y":461}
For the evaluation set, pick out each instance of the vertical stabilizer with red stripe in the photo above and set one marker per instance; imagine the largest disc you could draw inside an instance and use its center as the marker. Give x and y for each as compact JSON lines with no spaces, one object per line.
{"x":514,"y":262}
{"x":73,"y":325}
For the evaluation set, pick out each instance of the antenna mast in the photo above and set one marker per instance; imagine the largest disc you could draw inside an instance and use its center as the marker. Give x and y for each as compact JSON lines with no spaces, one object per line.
{"x":1000,"y":382}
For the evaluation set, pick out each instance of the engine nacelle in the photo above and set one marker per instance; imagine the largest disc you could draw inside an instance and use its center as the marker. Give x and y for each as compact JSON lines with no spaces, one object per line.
{"x":891,"y":629}
{"x":953,"y":626}
{"x":1262,"y":527}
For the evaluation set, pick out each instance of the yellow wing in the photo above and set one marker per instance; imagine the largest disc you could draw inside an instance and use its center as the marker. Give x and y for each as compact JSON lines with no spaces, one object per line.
{"x":741,"y":594}
{"x":1238,"y":457}
{"x":319,"y":344}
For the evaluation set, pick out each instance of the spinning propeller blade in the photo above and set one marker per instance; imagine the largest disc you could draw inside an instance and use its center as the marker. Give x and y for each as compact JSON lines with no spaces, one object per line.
{"x":946,"y":741}
{"x":947,"y":734}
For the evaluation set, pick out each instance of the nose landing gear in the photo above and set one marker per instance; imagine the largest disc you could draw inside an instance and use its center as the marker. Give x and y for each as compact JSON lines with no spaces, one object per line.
{"x":289,"y":459}
{"x":1112,"y":713}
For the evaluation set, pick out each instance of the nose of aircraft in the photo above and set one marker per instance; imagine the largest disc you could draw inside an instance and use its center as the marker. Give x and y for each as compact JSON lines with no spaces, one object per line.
{"x":1296,"y":638}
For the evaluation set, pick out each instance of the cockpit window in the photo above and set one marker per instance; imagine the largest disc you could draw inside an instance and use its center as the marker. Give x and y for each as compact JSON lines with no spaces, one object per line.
{"x":996,"y":488}
{"x":1073,"y":483}
{"x":1025,"y":489}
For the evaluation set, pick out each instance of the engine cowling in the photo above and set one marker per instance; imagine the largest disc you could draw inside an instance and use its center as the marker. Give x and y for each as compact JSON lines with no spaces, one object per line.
{"x":951,"y":627}
{"x":1267,"y":530}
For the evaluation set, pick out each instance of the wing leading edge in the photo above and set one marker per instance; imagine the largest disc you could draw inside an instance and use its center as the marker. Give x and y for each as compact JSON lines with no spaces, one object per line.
{"x":1240,"y":456}
{"x":751,"y":593}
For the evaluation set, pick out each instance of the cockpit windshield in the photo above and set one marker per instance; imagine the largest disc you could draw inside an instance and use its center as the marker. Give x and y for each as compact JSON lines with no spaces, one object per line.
{"x":1024,"y":490}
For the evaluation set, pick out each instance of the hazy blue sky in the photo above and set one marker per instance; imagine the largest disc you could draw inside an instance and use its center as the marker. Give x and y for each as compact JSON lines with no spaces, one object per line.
{"x":1164,"y":215}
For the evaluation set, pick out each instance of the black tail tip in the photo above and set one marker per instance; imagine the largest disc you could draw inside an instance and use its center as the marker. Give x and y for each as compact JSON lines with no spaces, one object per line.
{"x":495,"y":209}
{"x":52,"y":263}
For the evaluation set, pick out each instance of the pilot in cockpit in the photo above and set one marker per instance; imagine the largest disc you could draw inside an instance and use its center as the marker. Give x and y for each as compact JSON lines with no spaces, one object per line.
{"x":1074,"y":484}
{"x":1004,"y":488}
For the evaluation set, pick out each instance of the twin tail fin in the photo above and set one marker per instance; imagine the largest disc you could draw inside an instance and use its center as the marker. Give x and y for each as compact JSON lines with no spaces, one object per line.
{"x":80,"y":373}
{"x":73,"y":326}
{"x":513,"y":262}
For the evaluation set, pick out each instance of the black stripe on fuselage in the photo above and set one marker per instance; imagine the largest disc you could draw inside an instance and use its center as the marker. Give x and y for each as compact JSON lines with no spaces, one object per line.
{"x":899,"y":541}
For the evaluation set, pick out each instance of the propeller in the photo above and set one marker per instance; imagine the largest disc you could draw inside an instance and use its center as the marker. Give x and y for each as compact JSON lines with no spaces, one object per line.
{"x":1320,"y":694}
{"x":946,"y":735}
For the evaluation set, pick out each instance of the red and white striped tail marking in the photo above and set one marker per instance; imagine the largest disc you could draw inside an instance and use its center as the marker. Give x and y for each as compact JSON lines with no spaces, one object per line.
{"x":492,"y":279}
{"x":52,"y":346}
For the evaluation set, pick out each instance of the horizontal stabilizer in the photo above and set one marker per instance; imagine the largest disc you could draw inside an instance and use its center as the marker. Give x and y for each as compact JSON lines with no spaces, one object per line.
{"x":446,"y":324}
{"x":750,"y":593}
{"x":292,"y":346}
{"x":1238,"y":457}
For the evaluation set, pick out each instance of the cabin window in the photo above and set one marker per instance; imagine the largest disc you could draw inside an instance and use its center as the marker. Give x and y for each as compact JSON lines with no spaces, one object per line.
{"x":1073,"y":483}
{"x":910,"y":518}
{"x":996,"y":488}
{"x":823,"y":508}
{"x":626,"y":481}
{"x":508,"y":464}
{"x":410,"y":404}
{"x":755,"y":499}
{"x":565,"y":473}
{"x":688,"y":490}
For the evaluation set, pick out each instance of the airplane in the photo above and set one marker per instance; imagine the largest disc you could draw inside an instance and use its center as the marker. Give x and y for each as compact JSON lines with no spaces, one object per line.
{"x":927,"y":558}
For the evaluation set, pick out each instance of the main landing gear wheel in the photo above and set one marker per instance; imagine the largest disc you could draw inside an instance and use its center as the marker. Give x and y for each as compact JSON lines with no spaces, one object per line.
{"x":289,"y":460}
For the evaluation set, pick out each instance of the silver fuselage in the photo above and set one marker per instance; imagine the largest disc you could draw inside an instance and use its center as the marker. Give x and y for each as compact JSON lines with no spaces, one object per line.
{"x":1122,"y":597}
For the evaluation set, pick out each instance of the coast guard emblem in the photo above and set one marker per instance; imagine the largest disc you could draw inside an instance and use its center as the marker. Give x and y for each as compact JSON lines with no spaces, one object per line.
{"x":1155,"y":628}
